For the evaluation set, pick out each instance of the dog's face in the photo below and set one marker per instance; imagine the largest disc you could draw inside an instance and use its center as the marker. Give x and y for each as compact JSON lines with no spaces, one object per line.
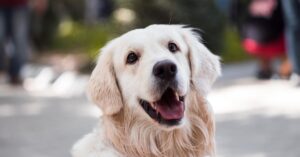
{"x":150,"y":71}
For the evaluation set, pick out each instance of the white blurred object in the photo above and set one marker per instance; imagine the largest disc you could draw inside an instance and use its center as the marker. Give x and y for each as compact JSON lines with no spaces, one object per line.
{"x":273,"y":97}
{"x":295,"y":80}
{"x":124,"y":15}
{"x":41,"y":82}
{"x":46,"y":81}
{"x":63,"y":84}
{"x":31,"y":70}
{"x":69,"y":84}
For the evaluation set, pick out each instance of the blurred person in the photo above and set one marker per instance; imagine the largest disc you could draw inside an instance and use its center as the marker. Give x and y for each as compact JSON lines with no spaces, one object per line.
{"x":260,"y":23}
{"x":291,"y":10}
{"x":14,"y":28}
{"x":98,"y":10}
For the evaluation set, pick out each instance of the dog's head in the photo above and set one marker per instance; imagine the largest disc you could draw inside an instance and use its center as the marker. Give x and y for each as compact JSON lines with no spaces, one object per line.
{"x":150,"y":71}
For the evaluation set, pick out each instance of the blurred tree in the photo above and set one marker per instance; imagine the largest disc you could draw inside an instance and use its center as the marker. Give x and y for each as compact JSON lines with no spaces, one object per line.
{"x":201,"y":14}
{"x":44,"y":27}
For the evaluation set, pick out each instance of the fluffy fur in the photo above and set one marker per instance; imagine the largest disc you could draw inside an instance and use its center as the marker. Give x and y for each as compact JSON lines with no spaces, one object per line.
{"x":125,"y":130}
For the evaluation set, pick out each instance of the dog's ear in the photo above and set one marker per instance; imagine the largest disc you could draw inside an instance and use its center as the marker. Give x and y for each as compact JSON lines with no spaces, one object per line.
{"x":205,"y":66}
{"x":102,"y":87}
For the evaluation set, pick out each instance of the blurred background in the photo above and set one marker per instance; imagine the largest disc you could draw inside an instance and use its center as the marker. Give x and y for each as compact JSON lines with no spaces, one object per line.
{"x":48,"y":49}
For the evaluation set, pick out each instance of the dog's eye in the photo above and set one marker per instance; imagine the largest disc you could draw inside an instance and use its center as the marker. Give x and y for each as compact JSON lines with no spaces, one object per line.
{"x":173,"y":47}
{"x":131,"y":58}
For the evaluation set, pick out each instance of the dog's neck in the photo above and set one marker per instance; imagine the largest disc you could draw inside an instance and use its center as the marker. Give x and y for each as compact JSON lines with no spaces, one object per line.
{"x":134,"y":137}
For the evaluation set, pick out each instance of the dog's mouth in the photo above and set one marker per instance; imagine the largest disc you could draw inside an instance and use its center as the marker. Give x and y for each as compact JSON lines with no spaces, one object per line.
{"x":169,"y":109}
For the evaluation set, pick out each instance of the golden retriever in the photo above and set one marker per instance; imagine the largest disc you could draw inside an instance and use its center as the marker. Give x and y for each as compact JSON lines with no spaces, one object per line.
{"x":151,"y":85}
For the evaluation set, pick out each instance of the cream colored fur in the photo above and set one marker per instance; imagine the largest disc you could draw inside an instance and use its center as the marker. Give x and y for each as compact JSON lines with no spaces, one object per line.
{"x":125,"y":130}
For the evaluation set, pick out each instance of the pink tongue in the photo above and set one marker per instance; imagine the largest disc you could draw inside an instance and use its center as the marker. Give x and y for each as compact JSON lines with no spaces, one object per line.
{"x":174,"y":111}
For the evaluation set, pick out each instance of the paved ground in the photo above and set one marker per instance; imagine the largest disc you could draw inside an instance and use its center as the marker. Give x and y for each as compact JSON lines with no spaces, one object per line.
{"x":254,"y":118}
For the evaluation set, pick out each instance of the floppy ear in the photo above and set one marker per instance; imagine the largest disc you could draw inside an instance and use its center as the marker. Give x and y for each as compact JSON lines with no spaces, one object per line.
{"x":102,"y":86}
{"x":205,"y":66}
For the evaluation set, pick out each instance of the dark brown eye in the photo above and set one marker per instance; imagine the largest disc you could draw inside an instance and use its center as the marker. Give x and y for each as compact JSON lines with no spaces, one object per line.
{"x":173,"y":47}
{"x":131,"y":58}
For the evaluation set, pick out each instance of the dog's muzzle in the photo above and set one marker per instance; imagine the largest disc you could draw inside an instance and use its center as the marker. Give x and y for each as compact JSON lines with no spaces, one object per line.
{"x":169,"y":108}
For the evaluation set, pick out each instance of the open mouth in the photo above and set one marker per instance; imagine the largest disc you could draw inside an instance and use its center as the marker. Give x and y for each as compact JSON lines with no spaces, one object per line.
{"x":168,"y":110}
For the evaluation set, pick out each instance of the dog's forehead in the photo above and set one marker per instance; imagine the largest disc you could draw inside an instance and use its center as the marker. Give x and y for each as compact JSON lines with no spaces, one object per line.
{"x":153,"y":33}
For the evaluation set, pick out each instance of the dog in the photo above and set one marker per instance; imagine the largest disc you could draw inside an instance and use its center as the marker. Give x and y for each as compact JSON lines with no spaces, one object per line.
{"x":151,"y":85}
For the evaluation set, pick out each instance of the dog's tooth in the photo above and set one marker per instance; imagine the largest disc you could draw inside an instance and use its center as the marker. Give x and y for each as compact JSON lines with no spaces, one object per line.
{"x":155,"y":106}
{"x":177,"y":96}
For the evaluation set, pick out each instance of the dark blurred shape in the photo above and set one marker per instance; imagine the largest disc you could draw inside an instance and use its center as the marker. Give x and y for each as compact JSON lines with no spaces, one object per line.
{"x":223,"y":5}
{"x":261,"y":26}
{"x":44,"y":26}
{"x":257,"y":21}
{"x":13,"y":37}
{"x":13,"y":3}
{"x":98,"y":10}
{"x":291,"y":9}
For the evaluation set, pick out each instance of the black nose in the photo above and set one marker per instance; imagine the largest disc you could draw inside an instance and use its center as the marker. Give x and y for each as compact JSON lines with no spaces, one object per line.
{"x":165,"y":70}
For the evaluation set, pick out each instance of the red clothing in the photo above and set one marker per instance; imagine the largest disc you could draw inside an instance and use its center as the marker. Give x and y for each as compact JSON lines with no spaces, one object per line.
{"x":13,"y":3}
{"x":268,"y":51}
